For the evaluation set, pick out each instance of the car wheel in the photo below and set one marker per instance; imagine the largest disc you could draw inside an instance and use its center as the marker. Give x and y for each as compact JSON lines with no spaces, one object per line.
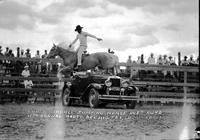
{"x":66,"y":101}
{"x":93,"y":98}
{"x":131,"y":104}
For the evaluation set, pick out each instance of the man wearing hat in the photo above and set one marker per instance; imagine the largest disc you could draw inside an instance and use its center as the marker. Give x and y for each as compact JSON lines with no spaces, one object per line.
{"x":151,"y":59}
{"x":28,"y":54}
{"x":37,"y":55}
{"x":164,"y":60}
{"x":82,"y":37}
{"x":171,"y":61}
{"x":45,"y":54}
{"x":184,"y":62}
{"x":6,"y":52}
{"x":26,"y":73}
{"x":191,"y":61}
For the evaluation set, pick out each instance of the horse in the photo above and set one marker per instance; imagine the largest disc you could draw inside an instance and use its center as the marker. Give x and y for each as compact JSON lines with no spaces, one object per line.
{"x":102,"y":60}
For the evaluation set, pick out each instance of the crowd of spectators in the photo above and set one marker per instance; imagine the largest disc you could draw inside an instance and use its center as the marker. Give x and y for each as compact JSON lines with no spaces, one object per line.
{"x":161,"y":60}
{"x":21,"y":53}
{"x":164,"y":60}
{"x":15,"y":67}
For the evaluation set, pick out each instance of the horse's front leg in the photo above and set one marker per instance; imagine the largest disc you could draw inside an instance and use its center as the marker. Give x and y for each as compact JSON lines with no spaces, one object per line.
{"x":65,"y":71}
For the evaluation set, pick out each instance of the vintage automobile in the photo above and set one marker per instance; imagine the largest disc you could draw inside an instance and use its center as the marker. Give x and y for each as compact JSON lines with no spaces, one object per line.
{"x":99,"y":90}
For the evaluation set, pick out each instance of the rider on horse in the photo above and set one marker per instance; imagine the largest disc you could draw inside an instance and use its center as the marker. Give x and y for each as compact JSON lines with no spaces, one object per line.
{"x":82,"y":37}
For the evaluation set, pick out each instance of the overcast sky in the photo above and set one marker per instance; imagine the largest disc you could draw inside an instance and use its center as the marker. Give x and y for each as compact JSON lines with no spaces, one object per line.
{"x":128,"y":27}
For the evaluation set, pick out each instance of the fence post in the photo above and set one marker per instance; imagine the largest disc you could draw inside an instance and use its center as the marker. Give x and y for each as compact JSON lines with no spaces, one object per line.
{"x":185,"y":87}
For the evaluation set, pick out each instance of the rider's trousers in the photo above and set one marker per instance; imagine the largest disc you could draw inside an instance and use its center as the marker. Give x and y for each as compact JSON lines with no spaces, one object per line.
{"x":80,"y":52}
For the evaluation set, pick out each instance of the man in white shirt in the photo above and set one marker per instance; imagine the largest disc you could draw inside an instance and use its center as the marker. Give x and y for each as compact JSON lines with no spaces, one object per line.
{"x":151,"y":60}
{"x":26,"y":73}
{"x":37,"y":55}
{"x":139,"y":60}
{"x":82,"y":37}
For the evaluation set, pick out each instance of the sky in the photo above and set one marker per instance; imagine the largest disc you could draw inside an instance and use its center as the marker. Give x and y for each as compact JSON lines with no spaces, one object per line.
{"x":127,"y":27}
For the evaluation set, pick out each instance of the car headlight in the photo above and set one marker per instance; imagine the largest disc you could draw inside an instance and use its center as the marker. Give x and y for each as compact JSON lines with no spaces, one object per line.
{"x":108,"y":83}
{"x":125,"y":84}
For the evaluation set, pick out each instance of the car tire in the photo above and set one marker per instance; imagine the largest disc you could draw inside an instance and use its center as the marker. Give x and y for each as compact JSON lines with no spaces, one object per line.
{"x":66,"y":101}
{"x":93,"y":98}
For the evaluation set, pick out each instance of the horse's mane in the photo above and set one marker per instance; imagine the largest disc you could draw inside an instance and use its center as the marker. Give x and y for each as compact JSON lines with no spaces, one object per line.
{"x":66,"y":50}
{"x":65,"y":46}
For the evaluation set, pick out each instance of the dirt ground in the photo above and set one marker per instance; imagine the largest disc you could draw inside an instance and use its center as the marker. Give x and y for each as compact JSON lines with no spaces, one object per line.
{"x":45,"y":121}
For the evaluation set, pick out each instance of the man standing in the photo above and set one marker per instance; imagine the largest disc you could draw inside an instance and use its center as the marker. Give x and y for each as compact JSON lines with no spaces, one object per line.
{"x":151,"y":59}
{"x":45,"y":54}
{"x":82,"y":37}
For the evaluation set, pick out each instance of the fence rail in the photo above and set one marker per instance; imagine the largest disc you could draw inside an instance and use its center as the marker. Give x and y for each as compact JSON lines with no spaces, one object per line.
{"x":185,"y":83}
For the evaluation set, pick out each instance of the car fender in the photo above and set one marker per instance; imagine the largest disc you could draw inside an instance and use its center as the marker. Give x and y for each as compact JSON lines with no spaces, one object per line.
{"x":90,"y":86}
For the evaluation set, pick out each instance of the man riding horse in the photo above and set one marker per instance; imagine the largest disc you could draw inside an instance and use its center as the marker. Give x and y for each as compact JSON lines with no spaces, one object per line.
{"x":82,"y":37}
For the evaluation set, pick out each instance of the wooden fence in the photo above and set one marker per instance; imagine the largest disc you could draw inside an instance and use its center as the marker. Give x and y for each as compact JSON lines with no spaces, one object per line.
{"x":151,"y":89}
{"x":182,"y":81}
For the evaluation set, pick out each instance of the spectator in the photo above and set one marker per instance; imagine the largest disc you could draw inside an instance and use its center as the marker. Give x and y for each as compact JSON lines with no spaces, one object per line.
{"x":18,"y":52}
{"x":28,"y":54}
{"x":197,"y":60}
{"x":191,"y":61}
{"x":151,"y":59}
{"x":6,"y":52}
{"x":142,"y":59}
{"x":164,"y":60}
{"x":171,"y":61}
{"x":37,"y":55}
{"x":139,"y":60}
{"x":28,"y":83}
{"x":159,"y":60}
{"x":26,"y":73}
{"x":10,"y":53}
{"x":22,"y":53}
{"x":128,"y":63}
{"x":45,"y":54}
{"x":184,"y":62}
{"x":1,"y":54}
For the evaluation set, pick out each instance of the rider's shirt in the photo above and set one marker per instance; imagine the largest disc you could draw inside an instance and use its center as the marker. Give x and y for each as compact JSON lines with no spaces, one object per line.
{"x":83,"y":38}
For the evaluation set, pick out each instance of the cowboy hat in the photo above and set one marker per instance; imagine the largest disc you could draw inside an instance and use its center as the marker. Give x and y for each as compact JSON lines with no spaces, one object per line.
{"x":78,"y":27}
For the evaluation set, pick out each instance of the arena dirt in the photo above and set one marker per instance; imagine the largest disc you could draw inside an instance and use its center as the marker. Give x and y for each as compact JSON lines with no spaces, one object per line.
{"x":54,"y":122}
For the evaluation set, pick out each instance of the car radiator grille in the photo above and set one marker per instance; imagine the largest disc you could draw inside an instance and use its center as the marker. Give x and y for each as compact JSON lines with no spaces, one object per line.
{"x":114,"y":92}
{"x":115,"y":82}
